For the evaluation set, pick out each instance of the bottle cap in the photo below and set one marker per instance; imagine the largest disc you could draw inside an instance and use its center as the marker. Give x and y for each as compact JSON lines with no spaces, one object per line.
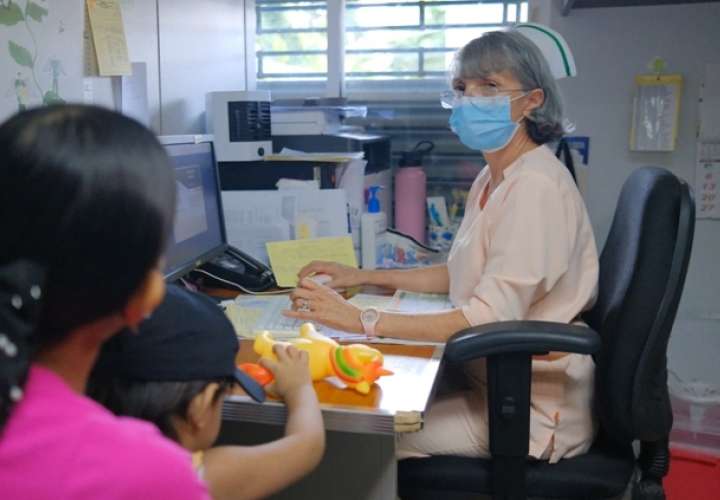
{"x":414,"y":158}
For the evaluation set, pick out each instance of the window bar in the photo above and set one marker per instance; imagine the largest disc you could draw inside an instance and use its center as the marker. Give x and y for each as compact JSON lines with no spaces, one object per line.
{"x":250,"y":30}
{"x":336,"y":48}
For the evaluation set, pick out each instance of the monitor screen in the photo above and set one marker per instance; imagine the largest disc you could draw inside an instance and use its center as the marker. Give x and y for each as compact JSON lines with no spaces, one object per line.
{"x":198,"y":233}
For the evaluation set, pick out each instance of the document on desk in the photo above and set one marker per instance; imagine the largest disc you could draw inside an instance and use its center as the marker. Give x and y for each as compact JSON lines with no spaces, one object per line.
{"x":288,"y":257}
{"x":420,"y":303}
{"x":251,"y":315}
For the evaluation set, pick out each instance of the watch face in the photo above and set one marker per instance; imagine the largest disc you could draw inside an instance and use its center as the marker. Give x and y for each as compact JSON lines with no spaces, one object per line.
{"x":369,"y":315}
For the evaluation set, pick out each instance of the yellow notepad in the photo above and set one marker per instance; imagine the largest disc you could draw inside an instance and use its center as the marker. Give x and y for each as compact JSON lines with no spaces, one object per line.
{"x":288,"y":257}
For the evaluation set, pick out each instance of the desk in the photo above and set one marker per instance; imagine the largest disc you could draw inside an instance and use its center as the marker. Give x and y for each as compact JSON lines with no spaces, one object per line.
{"x":359,"y":462}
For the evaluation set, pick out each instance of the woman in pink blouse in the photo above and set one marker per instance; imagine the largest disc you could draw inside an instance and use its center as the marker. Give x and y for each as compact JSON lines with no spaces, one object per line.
{"x":524,"y":251}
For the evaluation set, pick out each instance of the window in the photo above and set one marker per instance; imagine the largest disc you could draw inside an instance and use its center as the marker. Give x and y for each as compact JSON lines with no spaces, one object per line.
{"x":416,"y":39}
{"x":291,"y":40}
{"x":383,"y":39}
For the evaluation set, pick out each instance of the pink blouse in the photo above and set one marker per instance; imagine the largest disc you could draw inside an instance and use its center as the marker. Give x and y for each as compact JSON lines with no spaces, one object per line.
{"x":530,"y":254}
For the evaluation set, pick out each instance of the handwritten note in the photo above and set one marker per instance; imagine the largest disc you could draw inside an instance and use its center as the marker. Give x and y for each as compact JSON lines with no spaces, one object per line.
{"x":288,"y":257}
{"x":109,"y":39}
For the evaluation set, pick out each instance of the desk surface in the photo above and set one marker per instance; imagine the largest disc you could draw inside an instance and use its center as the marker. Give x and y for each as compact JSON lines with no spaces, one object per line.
{"x":395,"y":403}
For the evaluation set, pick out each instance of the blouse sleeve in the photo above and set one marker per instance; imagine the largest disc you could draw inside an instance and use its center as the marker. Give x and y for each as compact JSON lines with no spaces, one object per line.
{"x":529,"y":247}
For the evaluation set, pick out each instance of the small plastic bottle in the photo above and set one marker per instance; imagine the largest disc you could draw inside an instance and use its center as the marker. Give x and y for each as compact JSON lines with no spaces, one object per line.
{"x":373,"y":224}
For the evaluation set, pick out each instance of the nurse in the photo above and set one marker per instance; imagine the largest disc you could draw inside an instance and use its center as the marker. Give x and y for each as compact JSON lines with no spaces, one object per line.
{"x":525,"y":250}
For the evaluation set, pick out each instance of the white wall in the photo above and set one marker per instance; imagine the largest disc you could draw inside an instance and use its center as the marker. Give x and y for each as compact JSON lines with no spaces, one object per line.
{"x":611,"y":46}
{"x":201,"y":50}
{"x":190,"y":47}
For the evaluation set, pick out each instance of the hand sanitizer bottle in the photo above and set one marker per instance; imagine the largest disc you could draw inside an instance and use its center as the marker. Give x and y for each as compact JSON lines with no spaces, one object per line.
{"x":373,"y":224}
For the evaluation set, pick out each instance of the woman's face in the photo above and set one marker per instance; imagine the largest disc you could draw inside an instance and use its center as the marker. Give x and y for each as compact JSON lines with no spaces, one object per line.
{"x":498,"y":84}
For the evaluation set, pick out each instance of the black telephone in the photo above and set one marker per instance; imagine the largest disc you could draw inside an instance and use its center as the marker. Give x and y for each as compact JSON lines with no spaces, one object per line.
{"x":236,"y":269}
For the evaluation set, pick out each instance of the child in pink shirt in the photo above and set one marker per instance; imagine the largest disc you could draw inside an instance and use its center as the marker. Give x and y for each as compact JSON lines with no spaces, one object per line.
{"x":87,"y":205}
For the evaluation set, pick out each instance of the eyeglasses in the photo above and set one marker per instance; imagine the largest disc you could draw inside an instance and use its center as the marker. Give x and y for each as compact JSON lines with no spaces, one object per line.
{"x":451,"y":98}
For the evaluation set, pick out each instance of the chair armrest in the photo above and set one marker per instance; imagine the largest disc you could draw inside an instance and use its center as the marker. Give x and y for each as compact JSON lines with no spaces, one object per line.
{"x":528,"y":337}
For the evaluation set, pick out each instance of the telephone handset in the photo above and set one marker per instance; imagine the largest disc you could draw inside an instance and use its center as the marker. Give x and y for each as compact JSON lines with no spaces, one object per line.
{"x":237,"y":269}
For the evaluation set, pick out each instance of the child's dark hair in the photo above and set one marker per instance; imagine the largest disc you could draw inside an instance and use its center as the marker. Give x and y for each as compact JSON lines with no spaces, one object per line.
{"x":156,"y":402}
{"x":89,"y":195}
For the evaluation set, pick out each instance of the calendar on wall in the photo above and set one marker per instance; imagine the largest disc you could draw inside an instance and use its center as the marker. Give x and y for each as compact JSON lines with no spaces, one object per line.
{"x":707,"y":170}
{"x":707,"y":180}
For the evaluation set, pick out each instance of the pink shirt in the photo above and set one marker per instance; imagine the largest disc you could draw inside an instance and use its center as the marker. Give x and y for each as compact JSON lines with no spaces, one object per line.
{"x":58,"y":444}
{"x":530,"y":254}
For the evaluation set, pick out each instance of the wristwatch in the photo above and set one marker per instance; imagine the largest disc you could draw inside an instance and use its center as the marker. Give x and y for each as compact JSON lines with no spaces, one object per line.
{"x":369,"y":318}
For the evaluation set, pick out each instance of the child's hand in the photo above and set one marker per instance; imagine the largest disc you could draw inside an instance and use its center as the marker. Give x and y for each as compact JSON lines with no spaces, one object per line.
{"x":291,"y":370}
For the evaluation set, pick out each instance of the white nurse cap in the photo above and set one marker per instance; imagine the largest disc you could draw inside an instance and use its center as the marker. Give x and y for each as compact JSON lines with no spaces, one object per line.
{"x":553,"y":46}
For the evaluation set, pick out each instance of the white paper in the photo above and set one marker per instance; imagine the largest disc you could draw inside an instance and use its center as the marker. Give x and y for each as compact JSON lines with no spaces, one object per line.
{"x":134,"y":94}
{"x":420,"y":303}
{"x":348,"y":155}
{"x":253,"y":218}
{"x":297,"y":184}
{"x":326,"y":210}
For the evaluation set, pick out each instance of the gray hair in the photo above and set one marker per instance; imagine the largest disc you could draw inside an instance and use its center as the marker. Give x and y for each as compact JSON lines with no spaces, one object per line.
{"x":497,"y":51}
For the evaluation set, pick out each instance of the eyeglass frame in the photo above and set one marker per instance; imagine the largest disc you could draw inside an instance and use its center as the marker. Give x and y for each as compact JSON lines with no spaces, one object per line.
{"x":448,"y":98}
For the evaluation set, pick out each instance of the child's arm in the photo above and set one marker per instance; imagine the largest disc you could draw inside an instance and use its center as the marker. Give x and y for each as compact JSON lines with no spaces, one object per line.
{"x":258,"y":471}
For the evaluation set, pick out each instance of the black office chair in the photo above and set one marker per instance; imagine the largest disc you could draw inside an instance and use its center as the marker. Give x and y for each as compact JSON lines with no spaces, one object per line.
{"x":642,"y":272}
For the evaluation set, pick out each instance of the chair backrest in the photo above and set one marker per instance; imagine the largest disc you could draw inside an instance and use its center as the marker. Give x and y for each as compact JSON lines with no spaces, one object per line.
{"x":642,"y":273}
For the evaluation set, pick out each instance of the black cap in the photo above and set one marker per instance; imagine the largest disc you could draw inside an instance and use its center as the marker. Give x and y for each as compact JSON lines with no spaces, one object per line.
{"x":414,"y":158}
{"x":188,"y":337}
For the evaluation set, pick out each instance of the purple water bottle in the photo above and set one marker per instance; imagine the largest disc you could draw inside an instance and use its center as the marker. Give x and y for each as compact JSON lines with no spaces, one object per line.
{"x":410,"y":191}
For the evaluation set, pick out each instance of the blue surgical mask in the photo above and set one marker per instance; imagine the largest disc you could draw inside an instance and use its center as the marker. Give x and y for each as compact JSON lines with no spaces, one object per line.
{"x":483,"y":123}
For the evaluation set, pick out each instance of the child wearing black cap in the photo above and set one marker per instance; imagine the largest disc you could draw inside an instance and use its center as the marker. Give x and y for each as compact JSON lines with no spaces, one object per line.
{"x":175,"y":372}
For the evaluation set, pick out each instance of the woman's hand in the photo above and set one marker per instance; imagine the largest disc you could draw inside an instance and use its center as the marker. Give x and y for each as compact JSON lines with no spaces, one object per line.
{"x":342,"y":276}
{"x":315,"y":302}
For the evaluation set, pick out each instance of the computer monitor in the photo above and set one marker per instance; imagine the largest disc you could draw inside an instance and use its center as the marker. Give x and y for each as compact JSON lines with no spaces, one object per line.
{"x":199,"y":231}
